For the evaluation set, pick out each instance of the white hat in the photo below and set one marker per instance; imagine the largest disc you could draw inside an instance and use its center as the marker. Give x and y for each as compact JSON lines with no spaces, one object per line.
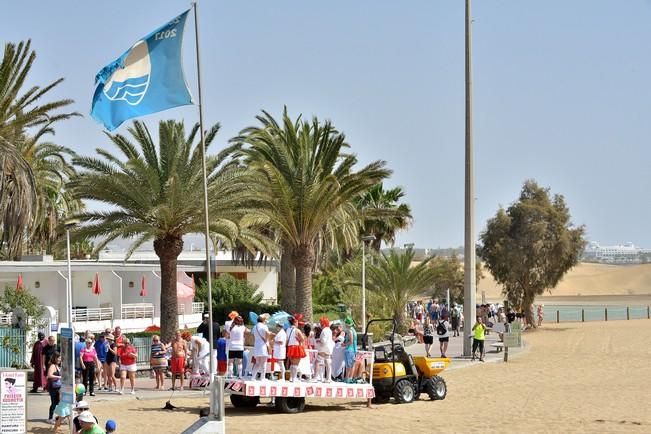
{"x":86,"y":416}
{"x":82,"y":405}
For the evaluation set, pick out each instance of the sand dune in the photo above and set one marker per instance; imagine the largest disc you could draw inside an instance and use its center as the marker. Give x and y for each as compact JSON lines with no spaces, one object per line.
{"x":590,"y":280}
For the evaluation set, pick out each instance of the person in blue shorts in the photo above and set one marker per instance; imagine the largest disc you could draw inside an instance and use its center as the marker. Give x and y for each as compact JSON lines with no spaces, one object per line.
{"x":350,"y":345}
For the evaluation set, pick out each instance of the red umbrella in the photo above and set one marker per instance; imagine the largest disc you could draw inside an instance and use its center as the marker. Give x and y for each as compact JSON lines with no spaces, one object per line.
{"x":143,"y":287}
{"x":19,"y":284}
{"x":97,"y":288}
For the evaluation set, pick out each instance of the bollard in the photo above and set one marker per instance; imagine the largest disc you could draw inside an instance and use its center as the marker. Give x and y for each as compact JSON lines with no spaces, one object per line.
{"x":606,"y":314}
{"x":648,"y":312}
{"x":628,"y":313}
{"x":558,"y":316}
{"x":582,"y":315}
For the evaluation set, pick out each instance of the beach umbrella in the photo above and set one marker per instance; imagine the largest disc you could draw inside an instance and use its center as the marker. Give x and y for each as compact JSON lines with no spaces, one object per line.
{"x":279,"y":317}
{"x":143,"y":287}
{"x":19,"y":284}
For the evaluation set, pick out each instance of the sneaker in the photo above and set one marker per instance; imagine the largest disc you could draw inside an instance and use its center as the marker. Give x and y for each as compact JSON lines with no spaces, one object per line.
{"x":92,"y":393}
{"x":50,"y":421}
{"x":121,"y":392}
{"x":133,"y":392}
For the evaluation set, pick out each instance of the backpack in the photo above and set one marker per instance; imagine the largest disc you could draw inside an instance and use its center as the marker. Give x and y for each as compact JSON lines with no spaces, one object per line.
{"x":455,"y":313}
{"x":441,"y":329}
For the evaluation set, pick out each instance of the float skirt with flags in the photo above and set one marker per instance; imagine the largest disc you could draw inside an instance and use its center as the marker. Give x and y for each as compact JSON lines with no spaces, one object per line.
{"x":147,"y":78}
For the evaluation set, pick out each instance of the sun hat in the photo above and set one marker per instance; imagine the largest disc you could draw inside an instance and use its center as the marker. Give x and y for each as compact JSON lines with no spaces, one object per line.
{"x":264,"y":316}
{"x":348,"y":321}
{"x":82,"y":405}
{"x":324,"y":321}
{"x":111,"y":425}
{"x":233,"y":314}
{"x":110,"y":337}
{"x":86,"y":416}
{"x":206,"y":315}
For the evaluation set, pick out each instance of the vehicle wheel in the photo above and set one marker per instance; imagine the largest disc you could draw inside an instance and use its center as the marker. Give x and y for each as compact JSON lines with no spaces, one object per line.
{"x":242,"y":401}
{"x":404,"y":391}
{"x":290,"y":405}
{"x":380,"y":399}
{"x":436,"y":388}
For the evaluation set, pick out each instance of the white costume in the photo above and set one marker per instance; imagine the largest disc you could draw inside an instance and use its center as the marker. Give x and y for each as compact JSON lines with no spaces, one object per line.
{"x":260,"y":350}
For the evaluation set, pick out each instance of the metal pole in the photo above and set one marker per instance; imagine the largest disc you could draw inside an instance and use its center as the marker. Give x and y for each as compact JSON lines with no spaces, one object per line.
{"x":558,"y":316}
{"x":120,"y":279}
{"x":469,"y":295}
{"x":205,"y":207}
{"x":582,"y":315}
{"x":628,"y":313}
{"x":606,"y":313}
{"x":363,"y":286}
{"x":69,"y":285}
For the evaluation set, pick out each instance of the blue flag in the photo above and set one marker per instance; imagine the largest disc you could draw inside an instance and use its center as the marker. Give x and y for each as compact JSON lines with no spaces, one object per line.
{"x":147,"y":78}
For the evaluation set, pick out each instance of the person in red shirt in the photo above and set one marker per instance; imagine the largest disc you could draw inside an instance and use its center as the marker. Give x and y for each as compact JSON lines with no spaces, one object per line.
{"x":128,"y":355}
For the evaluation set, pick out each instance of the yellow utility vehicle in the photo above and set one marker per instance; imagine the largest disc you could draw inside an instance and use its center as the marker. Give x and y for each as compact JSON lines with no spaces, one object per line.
{"x":398,"y":374}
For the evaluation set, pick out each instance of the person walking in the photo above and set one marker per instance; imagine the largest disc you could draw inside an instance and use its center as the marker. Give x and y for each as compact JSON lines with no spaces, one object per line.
{"x":88,"y":362}
{"x":37,"y":362}
{"x":101,"y":347}
{"x":541,"y":314}
{"x":442,"y":331}
{"x":111,"y":363}
{"x":54,"y":384}
{"x":128,"y":356}
{"x":428,"y":336}
{"x":479,"y":330}
{"x":455,"y":320}
{"x":158,"y":361}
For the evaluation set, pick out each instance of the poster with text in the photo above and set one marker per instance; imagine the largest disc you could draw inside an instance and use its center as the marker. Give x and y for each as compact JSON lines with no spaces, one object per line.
{"x":67,"y":367}
{"x":13,"y":402}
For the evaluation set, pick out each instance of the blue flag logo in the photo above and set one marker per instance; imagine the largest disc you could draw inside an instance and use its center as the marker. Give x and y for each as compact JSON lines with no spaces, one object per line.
{"x":147,"y":78}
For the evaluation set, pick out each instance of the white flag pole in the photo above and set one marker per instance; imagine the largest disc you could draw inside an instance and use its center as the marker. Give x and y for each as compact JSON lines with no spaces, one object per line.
{"x":205,"y":207}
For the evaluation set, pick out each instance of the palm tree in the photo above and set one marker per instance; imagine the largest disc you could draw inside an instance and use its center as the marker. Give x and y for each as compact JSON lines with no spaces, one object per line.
{"x":383,"y":215}
{"x":306,"y":188}
{"x":393,"y":278}
{"x":155,"y":193}
{"x":20,"y":110}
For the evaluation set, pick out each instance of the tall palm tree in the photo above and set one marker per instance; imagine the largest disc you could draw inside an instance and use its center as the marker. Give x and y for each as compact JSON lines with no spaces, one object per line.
{"x":155,"y":192}
{"x":392,"y":277}
{"x":20,"y":110}
{"x":383,"y":214}
{"x":306,"y":187}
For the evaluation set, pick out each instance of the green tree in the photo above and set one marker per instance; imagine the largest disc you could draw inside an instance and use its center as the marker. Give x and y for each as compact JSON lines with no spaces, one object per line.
{"x":393,"y":279}
{"x":227,"y":289}
{"x":21,"y":109}
{"x":306,"y":188}
{"x":530,"y":246}
{"x":156,"y":193}
{"x":450,"y":275}
{"x":383,"y":214}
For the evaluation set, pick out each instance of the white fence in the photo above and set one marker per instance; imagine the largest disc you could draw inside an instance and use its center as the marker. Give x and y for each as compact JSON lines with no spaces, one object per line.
{"x":197,"y":307}
{"x":92,"y":314}
{"x":137,"y":310}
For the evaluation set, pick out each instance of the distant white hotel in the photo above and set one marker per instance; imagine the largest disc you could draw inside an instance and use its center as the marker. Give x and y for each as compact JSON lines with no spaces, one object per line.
{"x":622,"y":253}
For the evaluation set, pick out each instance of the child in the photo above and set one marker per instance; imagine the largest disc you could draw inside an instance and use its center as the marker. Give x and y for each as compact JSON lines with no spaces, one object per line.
{"x":111,"y":426}
{"x":222,"y":359}
{"x":279,"y":350}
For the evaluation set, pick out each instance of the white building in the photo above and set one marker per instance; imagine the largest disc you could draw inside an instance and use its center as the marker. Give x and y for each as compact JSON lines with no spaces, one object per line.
{"x":120,"y":302}
{"x":622,"y":253}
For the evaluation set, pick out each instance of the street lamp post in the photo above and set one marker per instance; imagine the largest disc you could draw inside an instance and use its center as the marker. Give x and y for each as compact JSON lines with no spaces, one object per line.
{"x":364,"y":240}
{"x":69,"y":225}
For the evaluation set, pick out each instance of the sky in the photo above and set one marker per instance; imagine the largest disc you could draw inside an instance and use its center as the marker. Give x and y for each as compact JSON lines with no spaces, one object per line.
{"x":561,"y":91}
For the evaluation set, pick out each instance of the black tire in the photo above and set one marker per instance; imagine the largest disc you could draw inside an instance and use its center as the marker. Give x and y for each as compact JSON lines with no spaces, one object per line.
{"x":242,"y":401}
{"x":436,"y":388}
{"x":404,"y":392}
{"x":290,"y":405}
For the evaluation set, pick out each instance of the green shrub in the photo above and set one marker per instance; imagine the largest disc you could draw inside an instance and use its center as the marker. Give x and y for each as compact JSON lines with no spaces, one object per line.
{"x":220,"y":311}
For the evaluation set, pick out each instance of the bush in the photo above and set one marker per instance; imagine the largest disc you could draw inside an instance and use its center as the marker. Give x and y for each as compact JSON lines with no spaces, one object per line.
{"x":226,"y":289}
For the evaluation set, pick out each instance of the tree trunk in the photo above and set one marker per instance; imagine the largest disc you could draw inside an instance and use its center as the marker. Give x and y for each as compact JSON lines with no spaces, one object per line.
{"x":168,"y":250}
{"x":527,"y":302}
{"x":304,"y":258}
{"x":287,"y":280}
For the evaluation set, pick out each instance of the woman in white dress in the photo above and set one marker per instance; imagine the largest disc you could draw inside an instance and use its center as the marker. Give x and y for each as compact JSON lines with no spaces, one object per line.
{"x":261,"y":347}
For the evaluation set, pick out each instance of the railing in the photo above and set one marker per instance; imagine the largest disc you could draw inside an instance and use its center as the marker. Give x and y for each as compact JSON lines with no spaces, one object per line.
{"x":596,"y":313}
{"x":5,"y":318}
{"x":143,"y":348}
{"x":197,"y":307}
{"x":12,"y":347}
{"x":92,"y":314}
{"x":137,"y":310}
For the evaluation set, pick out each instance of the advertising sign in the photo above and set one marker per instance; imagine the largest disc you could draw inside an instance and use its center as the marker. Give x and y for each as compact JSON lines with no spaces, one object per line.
{"x":67,"y":365}
{"x":13,"y":402}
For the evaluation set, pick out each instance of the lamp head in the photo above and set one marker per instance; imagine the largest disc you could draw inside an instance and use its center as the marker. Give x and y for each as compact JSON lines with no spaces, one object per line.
{"x":70,"y":223}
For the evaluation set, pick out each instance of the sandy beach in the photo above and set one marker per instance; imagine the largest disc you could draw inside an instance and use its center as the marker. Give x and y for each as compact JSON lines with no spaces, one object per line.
{"x":591,"y":377}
